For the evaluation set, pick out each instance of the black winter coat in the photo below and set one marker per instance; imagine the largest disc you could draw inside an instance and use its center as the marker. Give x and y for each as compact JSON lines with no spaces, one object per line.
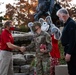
{"x":68,"y":38}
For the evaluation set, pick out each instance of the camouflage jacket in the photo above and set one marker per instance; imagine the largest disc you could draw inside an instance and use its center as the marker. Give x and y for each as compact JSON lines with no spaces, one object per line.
{"x":38,"y":40}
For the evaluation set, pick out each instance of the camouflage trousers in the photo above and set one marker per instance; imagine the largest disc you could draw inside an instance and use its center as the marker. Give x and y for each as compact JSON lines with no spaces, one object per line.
{"x":43,"y":66}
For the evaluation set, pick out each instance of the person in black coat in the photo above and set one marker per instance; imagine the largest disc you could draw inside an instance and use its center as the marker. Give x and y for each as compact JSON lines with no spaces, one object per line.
{"x":68,"y":39}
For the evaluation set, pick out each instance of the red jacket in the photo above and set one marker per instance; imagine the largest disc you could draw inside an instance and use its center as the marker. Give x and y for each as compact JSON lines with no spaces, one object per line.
{"x":0,"y":41}
{"x":55,"y":53}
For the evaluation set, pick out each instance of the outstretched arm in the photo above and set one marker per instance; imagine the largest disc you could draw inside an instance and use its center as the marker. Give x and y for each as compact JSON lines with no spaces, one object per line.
{"x":31,"y":46}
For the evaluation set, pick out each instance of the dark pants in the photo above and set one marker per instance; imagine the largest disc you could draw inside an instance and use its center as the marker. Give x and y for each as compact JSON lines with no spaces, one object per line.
{"x":72,"y":65}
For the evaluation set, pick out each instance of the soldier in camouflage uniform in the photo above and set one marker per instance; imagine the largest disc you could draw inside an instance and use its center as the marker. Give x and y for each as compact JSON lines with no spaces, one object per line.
{"x":42,"y":44}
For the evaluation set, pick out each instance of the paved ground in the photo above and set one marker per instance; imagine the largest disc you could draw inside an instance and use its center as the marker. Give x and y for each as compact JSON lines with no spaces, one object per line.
{"x":21,"y":74}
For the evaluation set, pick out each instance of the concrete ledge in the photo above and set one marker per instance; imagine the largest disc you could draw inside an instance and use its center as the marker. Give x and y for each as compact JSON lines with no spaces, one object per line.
{"x":61,"y":70}
{"x":19,"y":74}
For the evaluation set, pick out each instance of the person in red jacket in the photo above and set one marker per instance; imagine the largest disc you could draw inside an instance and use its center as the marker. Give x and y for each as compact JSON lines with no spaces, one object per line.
{"x":55,"y":54}
{"x":7,"y":45}
{"x":0,"y":37}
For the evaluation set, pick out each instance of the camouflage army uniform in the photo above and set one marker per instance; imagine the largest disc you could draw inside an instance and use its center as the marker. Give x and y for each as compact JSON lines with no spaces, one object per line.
{"x":42,"y":59}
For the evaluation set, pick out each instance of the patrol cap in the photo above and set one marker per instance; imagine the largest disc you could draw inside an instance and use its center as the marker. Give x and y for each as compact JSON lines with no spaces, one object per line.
{"x":36,"y":24}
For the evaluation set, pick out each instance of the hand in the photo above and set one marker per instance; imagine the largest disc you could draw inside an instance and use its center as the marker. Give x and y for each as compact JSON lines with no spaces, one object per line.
{"x":67,"y":57}
{"x":43,"y":50}
{"x":22,"y":48}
